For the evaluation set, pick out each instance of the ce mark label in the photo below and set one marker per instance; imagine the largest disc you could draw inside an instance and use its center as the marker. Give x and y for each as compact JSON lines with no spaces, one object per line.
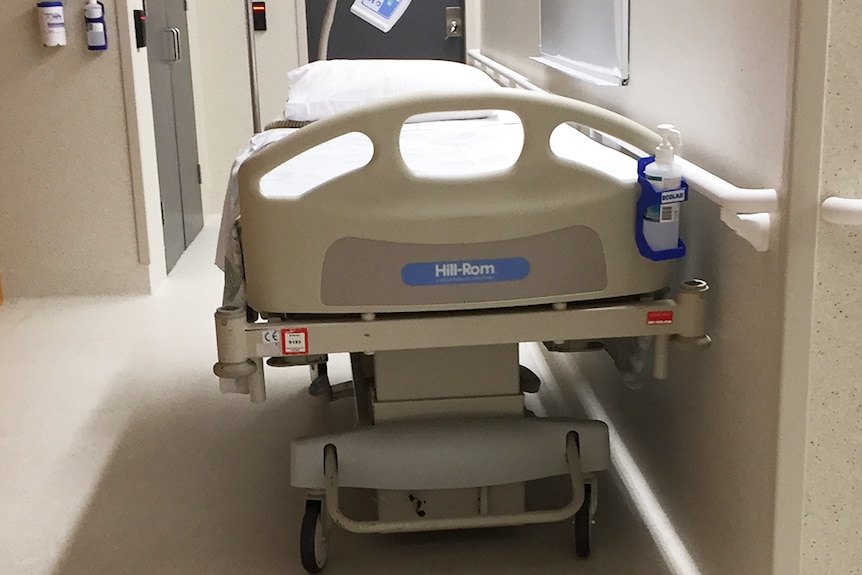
{"x":293,"y":341}
{"x":271,"y":337}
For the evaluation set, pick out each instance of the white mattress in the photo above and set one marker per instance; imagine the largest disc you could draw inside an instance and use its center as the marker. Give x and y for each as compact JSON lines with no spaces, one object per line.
{"x":456,"y":148}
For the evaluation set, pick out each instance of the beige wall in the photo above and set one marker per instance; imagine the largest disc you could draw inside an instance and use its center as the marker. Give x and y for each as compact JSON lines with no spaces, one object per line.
{"x":80,"y":216}
{"x":67,"y":198}
{"x":833,"y":474}
{"x":142,"y":146}
{"x":707,"y":437}
{"x":277,"y":53}
{"x":220,"y":72}
{"x":222,"y":94}
{"x":79,"y":206}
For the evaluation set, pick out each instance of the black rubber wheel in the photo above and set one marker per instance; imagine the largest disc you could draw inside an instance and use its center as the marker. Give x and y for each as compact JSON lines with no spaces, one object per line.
{"x":584,"y":525}
{"x":313,"y":542}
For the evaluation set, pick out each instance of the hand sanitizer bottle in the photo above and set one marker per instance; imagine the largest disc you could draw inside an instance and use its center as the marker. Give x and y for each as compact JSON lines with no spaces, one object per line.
{"x":97,"y":36}
{"x":661,"y":221}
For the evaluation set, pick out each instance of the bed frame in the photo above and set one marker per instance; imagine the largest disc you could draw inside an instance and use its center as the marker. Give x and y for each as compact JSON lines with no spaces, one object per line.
{"x":443,"y":438}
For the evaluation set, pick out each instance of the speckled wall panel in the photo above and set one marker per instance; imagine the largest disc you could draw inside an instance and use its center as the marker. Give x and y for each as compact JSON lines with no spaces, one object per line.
{"x":832,"y":531}
{"x":707,"y":437}
{"x":66,"y":214}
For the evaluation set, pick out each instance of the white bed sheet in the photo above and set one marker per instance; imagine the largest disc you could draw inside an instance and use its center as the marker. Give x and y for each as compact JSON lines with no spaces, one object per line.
{"x":454,"y":148}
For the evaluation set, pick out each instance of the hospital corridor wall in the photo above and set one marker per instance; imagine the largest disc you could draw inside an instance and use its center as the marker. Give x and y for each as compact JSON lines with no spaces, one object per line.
{"x":722,"y":443}
{"x":80,"y":197}
{"x":78,"y":203}
{"x":832,"y":519}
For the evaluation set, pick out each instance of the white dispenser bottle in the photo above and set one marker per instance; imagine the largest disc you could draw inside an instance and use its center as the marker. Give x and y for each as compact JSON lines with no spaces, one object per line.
{"x":661,"y":221}
{"x":52,"y":23}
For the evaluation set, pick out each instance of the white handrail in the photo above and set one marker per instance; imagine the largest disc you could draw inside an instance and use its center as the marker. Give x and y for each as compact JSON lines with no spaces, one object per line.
{"x":845,"y":211}
{"x":748,"y":212}
{"x":502,"y":74}
{"x":726,"y":195}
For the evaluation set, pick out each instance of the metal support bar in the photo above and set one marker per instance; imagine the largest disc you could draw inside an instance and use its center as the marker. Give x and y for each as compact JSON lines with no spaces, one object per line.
{"x":330,"y":465}
{"x":241,"y":344}
{"x":252,"y":67}
{"x":513,"y":325}
{"x":661,"y":357}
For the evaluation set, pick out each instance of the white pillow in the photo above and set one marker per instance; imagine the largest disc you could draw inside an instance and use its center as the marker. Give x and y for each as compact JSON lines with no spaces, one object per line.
{"x":327,"y":87}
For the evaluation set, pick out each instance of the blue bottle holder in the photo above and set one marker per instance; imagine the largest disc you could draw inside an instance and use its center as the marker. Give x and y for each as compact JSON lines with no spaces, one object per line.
{"x":650,"y":197}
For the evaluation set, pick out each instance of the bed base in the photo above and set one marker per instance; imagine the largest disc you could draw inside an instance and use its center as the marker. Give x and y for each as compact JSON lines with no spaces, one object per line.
{"x":444,"y":440}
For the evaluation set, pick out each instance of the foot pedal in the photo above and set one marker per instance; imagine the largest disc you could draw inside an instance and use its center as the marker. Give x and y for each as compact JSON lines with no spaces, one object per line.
{"x":530,"y":382}
{"x":295,"y":360}
{"x":321,"y":387}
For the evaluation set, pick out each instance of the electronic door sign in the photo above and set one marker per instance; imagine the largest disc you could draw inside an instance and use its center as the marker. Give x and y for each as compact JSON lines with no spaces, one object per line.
{"x":140,"y":18}
{"x":258,"y":14}
{"x":380,"y":13}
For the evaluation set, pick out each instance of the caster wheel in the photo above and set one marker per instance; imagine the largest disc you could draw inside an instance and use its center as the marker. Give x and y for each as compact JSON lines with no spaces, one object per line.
{"x":584,"y":525}
{"x":313,"y":539}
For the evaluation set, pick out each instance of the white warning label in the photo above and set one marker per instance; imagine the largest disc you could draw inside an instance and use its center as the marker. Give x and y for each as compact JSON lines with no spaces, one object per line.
{"x":294,"y":341}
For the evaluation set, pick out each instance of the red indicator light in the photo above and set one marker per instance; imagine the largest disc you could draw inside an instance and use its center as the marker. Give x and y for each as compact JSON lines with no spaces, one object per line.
{"x":259,"y":8}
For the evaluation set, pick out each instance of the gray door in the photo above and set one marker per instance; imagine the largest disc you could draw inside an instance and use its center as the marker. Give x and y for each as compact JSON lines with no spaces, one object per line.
{"x":174,"y":115}
{"x":420,"y":33}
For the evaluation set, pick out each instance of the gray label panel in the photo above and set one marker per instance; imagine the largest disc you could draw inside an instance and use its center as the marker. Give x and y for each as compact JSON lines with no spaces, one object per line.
{"x":360,"y":272}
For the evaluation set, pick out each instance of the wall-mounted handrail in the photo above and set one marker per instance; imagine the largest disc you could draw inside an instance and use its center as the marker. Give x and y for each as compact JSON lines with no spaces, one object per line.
{"x":845,"y":211}
{"x":503,"y":75}
{"x":748,"y":212}
{"x":726,"y":195}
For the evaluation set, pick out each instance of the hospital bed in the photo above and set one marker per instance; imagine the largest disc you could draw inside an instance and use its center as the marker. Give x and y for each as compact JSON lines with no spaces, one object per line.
{"x":430,"y":283}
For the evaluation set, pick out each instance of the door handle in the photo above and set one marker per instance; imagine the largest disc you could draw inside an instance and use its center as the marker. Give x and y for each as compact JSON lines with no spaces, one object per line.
{"x":173,"y":45}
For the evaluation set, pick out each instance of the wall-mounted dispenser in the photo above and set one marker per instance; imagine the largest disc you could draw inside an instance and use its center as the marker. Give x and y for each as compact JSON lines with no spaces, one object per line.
{"x":97,"y":33}
{"x":663,"y":190}
{"x":52,"y":23}
{"x":661,"y":221}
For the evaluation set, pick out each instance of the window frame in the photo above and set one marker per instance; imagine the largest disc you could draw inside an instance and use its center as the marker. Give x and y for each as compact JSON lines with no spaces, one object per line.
{"x":562,"y":54}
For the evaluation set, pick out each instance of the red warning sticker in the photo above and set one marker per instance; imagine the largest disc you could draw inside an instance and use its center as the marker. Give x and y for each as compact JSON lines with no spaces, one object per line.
{"x":294,"y":341}
{"x":659,"y":317}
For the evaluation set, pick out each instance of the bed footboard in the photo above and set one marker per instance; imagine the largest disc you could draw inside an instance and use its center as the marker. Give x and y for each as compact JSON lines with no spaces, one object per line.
{"x":382,"y":239}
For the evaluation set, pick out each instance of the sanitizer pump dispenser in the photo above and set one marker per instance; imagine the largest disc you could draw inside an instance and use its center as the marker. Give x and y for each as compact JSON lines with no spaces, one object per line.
{"x":97,"y":35}
{"x":52,"y":23}
{"x":661,"y":221}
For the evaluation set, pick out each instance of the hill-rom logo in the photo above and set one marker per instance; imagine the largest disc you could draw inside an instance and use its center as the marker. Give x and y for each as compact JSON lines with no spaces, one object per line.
{"x":465,"y":271}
